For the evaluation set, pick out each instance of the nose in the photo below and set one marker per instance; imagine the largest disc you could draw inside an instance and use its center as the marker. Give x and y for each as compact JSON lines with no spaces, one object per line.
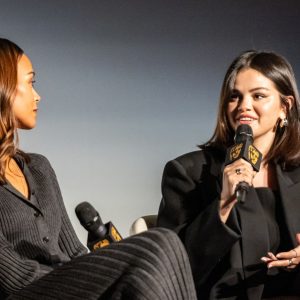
{"x":245,"y":104}
{"x":37,"y":97}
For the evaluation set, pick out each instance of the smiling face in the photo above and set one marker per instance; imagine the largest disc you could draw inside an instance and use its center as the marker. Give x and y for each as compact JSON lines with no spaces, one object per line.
{"x":255,"y":101}
{"x":26,"y":98}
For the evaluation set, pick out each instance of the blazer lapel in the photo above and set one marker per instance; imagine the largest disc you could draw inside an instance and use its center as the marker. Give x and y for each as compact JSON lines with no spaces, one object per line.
{"x":289,"y":187}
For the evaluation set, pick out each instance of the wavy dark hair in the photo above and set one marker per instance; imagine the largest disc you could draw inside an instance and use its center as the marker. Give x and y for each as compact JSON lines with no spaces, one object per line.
{"x":10,"y":55}
{"x":279,"y":71}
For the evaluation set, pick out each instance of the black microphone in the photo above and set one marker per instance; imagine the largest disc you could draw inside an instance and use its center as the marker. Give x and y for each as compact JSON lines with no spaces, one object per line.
{"x":99,"y":234}
{"x":243,"y":148}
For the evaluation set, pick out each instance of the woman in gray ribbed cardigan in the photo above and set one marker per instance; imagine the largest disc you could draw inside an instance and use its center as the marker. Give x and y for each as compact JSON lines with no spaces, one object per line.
{"x":40,"y":255}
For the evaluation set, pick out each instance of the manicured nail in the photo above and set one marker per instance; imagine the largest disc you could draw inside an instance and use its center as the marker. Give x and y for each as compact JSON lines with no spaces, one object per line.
{"x":263,"y":259}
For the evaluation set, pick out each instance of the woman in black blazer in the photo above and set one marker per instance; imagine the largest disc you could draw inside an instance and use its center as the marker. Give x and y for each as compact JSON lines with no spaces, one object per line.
{"x":247,"y":250}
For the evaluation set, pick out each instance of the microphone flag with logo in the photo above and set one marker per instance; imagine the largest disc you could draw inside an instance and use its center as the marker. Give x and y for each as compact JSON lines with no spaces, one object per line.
{"x":99,"y":234}
{"x":243,"y":148}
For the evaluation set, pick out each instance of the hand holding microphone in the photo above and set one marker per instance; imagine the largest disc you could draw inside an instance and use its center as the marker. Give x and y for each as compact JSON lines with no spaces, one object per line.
{"x":99,"y":234}
{"x":242,"y":161}
{"x":243,"y":149}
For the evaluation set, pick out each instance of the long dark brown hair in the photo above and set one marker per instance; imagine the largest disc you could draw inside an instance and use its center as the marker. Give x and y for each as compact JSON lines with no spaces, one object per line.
{"x":286,"y":145}
{"x":10,"y":54}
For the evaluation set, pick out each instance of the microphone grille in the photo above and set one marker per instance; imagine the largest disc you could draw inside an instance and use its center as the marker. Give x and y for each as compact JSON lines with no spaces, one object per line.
{"x":87,"y":214}
{"x":243,"y":133}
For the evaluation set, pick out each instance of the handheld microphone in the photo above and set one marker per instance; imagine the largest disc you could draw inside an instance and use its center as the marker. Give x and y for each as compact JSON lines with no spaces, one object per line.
{"x":243,"y":148}
{"x":99,"y":234}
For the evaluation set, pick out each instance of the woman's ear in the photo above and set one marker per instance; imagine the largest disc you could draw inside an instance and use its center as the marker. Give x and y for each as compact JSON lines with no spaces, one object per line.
{"x":290,"y":102}
{"x":287,"y":104}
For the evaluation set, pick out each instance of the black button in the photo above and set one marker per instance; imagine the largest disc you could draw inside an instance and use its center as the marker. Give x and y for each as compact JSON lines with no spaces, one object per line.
{"x":32,"y":192}
{"x":37,"y":214}
{"x":46,"y":239}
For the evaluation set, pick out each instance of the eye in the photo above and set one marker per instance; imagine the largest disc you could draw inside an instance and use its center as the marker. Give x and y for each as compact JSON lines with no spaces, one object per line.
{"x":32,"y":83}
{"x":235,"y":97}
{"x":259,"y":96}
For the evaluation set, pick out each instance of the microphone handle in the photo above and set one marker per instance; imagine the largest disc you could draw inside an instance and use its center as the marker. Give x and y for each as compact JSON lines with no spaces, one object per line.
{"x":241,"y":191}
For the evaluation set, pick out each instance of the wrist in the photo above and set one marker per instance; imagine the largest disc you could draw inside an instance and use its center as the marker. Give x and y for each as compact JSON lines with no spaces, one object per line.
{"x":225,"y":208}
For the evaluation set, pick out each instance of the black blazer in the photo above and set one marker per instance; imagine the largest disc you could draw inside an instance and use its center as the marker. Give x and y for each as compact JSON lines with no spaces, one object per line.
{"x":225,"y":258}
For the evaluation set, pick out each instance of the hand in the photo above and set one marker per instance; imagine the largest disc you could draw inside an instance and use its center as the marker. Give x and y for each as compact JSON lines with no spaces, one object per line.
{"x":233,"y":174}
{"x":288,"y":260}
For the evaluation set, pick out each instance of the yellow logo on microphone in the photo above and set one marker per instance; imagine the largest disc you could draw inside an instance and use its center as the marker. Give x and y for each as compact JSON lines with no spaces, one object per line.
{"x":101,"y":244}
{"x":235,"y":151}
{"x":115,"y":234}
{"x":253,"y":154}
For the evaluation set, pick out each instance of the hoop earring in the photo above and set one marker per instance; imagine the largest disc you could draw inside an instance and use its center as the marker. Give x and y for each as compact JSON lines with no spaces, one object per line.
{"x":284,"y":123}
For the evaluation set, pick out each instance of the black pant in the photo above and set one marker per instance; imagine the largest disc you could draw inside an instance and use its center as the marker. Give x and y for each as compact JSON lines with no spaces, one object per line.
{"x":152,"y":265}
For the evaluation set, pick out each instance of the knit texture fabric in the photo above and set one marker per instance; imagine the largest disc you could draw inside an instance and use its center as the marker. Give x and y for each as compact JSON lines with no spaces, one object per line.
{"x":149,"y":266}
{"x":41,"y":258}
{"x":35,"y":234}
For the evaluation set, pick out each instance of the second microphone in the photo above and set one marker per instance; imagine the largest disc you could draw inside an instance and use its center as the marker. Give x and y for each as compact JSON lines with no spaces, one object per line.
{"x":99,"y":234}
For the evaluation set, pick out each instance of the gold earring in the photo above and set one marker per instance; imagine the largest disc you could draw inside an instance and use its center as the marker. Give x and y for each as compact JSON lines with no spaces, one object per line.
{"x":284,"y":123}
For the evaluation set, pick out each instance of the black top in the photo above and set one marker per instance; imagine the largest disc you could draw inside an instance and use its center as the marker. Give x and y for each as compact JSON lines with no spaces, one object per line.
{"x":276,"y":283}
{"x":278,"y":234}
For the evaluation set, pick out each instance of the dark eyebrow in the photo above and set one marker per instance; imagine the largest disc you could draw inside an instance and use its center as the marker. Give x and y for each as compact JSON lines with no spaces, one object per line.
{"x":252,"y":90}
{"x":259,"y":88}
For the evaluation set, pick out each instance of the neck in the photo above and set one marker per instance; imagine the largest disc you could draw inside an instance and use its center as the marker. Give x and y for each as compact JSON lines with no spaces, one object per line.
{"x":264,"y":144}
{"x":266,"y":177}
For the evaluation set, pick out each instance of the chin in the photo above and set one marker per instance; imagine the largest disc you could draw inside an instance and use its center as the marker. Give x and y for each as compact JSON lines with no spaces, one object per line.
{"x":26,"y":127}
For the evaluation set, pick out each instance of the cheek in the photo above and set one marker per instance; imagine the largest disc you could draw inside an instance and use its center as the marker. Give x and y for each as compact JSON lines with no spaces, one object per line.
{"x":21,"y":91}
{"x":270,"y":110}
{"x":231,"y":107}
{"x":19,"y":99}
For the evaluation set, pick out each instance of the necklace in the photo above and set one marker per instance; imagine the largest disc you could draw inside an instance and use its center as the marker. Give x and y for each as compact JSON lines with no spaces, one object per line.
{"x":16,"y":177}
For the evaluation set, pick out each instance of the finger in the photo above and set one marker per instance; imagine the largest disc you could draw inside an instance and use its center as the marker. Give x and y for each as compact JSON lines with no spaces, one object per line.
{"x":242,"y":174}
{"x":266,"y":259}
{"x":272,"y":256}
{"x":243,"y":162}
{"x":240,"y":170}
{"x":289,"y":254}
{"x":284,"y":263}
{"x":298,"y":238}
{"x":233,"y":174}
{"x":239,"y":164}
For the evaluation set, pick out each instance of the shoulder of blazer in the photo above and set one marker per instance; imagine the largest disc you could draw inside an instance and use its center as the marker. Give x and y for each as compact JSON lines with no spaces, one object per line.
{"x":290,"y":176}
{"x":194,"y":161}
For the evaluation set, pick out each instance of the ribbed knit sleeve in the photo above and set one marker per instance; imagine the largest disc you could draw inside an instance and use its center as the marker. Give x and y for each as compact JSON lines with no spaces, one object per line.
{"x":15,"y":272}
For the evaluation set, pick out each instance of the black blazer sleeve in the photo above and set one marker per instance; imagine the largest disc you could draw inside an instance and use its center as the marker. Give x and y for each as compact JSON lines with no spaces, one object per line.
{"x":190,"y":205}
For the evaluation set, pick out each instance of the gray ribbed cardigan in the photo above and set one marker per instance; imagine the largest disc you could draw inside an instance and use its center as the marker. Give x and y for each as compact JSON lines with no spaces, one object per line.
{"x":35,"y":235}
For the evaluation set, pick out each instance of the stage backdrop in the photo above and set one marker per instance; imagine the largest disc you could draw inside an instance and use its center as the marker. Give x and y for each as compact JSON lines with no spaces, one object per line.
{"x":128,"y":85}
